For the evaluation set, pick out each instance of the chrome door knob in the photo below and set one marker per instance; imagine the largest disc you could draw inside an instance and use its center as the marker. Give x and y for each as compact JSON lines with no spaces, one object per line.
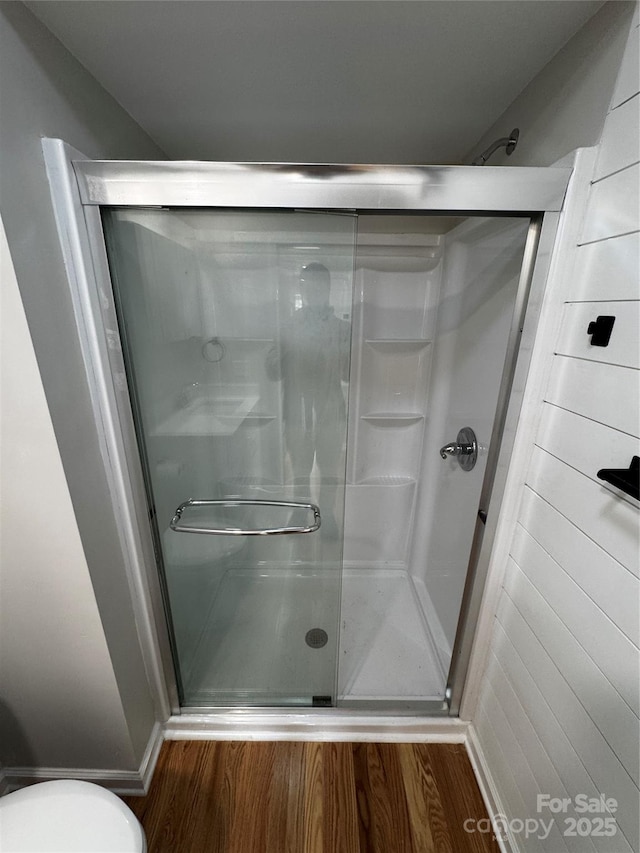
{"x":464,"y":449}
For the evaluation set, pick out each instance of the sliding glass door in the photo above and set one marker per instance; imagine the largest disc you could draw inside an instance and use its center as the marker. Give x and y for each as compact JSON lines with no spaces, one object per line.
{"x":236,"y":328}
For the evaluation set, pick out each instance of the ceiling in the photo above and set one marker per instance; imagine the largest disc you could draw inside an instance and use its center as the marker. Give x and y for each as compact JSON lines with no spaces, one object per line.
{"x":315,"y":80}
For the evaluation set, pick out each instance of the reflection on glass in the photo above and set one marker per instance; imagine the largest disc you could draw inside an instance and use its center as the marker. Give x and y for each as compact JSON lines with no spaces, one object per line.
{"x":312,"y":362}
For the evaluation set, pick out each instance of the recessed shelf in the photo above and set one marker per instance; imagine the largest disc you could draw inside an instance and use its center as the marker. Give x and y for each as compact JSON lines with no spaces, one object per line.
{"x":392,"y":419}
{"x":398,"y":346}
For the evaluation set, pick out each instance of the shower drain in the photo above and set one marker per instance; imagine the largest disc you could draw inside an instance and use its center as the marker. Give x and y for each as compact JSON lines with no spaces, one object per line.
{"x":316,"y":638}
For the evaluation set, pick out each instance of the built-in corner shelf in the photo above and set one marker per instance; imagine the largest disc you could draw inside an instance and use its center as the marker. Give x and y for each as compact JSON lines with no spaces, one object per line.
{"x":397,"y":346}
{"x":392,"y":419}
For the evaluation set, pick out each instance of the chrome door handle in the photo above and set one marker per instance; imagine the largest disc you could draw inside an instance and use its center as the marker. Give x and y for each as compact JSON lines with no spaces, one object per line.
{"x":450,"y":450}
{"x":464,"y":449}
{"x":456,"y":449}
{"x":178,"y":525}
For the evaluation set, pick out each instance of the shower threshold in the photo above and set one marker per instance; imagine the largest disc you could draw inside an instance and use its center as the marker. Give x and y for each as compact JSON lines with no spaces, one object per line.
{"x":255,"y":635}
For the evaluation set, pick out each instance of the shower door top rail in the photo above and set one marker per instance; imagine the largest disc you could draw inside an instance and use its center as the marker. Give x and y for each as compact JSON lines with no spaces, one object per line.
{"x":515,"y":189}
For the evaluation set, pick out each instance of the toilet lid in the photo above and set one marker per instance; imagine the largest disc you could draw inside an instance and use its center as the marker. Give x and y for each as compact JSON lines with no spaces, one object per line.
{"x":68,"y":816}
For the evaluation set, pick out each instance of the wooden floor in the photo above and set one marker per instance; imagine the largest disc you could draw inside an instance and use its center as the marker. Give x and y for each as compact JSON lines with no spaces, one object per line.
{"x":243,"y":797}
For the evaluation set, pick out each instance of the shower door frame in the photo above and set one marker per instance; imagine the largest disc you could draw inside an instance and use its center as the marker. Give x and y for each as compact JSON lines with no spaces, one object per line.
{"x":80,"y":186}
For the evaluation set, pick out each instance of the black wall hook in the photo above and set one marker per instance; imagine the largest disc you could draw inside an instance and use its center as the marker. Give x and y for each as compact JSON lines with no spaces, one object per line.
{"x":600,"y":330}
{"x":625,"y":479}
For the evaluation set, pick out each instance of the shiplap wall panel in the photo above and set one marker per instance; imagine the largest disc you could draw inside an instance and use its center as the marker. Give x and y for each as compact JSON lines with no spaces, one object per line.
{"x":523,"y":776}
{"x":612,"y":587}
{"x":603,"y":392}
{"x":552,"y":736}
{"x":563,"y":666}
{"x":511,"y":633}
{"x":612,"y":208}
{"x":604,"y":643}
{"x":586,"y":445}
{"x":605,"y":769}
{"x":539,"y":761}
{"x":623,"y":348}
{"x":607,"y":270}
{"x":605,"y":518}
{"x":501,"y":764}
{"x":618,"y":146}
{"x":600,"y":709}
{"x":627,"y":83}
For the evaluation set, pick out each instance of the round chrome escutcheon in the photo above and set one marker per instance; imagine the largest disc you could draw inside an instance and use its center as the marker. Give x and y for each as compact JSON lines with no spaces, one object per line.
{"x":468,"y":444}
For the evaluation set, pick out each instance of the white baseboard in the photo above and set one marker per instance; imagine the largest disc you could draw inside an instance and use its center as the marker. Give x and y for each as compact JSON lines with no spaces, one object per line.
{"x":492,"y":800}
{"x":150,"y":757}
{"x":122,"y":782}
{"x":346,"y":726}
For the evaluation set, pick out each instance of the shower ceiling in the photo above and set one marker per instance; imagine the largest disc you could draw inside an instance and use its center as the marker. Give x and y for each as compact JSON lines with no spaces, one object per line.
{"x":403,"y":82}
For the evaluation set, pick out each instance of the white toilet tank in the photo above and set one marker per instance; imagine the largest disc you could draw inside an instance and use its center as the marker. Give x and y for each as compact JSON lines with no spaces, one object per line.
{"x":68,"y":816}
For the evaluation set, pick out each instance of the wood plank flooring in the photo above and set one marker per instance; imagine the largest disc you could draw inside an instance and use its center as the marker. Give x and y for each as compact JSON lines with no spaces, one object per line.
{"x":291,"y":797}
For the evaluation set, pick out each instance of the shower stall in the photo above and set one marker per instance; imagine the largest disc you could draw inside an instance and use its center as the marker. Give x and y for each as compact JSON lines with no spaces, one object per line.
{"x":313,"y":370}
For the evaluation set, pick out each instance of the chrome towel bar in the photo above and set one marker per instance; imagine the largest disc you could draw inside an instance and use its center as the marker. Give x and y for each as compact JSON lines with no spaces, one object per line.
{"x":178,"y":525}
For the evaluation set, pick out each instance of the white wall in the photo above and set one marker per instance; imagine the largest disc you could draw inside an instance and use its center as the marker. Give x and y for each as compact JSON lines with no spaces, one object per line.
{"x":559,"y":705}
{"x":47,"y":608}
{"x":72,"y":674}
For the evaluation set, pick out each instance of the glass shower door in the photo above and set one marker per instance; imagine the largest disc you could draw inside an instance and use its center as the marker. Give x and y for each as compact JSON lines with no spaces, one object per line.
{"x":236,"y":327}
